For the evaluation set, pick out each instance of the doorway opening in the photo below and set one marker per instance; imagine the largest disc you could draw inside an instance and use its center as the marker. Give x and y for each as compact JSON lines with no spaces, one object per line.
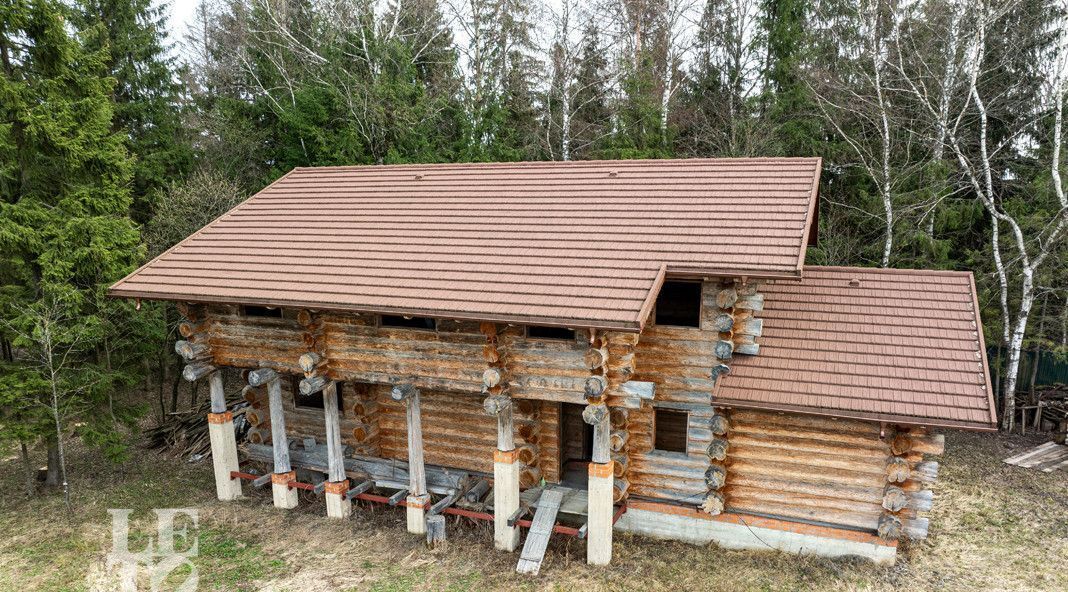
{"x":576,"y":446}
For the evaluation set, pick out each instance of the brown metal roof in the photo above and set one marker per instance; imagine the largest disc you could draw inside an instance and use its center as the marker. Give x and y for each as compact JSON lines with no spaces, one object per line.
{"x":581,"y":243}
{"x":901,"y":346}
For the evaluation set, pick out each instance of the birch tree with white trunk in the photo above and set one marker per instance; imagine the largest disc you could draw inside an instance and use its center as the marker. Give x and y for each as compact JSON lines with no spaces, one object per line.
{"x":1030,"y":236}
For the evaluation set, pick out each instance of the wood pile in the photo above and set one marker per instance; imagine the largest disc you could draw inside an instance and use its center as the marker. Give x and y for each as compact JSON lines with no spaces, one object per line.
{"x":184,"y":434}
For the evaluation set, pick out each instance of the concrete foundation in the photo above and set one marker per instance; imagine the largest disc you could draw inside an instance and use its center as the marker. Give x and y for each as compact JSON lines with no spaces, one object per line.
{"x":224,"y":455}
{"x":417,"y":513}
{"x":505,"y":500}
{"x":754,"y":533}
{"x":599,"y":518}
{"x":337,"y":505}
{"x":285,"y":497}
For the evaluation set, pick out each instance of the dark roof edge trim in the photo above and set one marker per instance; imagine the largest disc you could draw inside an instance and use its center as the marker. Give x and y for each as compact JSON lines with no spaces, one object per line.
{"x":845,"y":414}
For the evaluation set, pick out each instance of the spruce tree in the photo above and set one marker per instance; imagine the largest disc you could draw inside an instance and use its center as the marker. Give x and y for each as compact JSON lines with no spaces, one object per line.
{"x":147,"y":94}
{"x":65,"y":229}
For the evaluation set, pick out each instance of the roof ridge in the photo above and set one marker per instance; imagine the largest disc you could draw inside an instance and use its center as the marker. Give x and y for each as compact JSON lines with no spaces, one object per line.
{"x":565,"y":163}
{"x":888,"y":270}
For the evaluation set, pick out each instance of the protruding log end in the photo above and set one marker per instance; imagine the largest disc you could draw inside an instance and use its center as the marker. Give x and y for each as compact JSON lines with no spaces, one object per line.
{"x":619,"y":490}
{"x":496,"y":404}
{"x":726,"y":298}
{"x":261,"y":376}
{"x":719,"y":425}
{"x":895,"y":499}
{"x":723,"y":323}
{"x":618,"y":440}
{"x":595,"y":386}
{"x":714,"y":503}
{"x":719,"y":370}
{"x":491,"y":377}
{"x":595,"y":413}
{"x":529,"y":476}
{"x":361,"y":432}
{"x":251,"y":396}
{"x":723,"y":349}
{"x":717,"y":449}
{"x":402,"y":392}
{"x":190,"y":350}
{"x":309,"y":361}
{"x":193,"y":372}
{"x":889,"y":527}
{"x":715,"y":477}
{"x":312,"y":385}
{"x":595,"y":357}
{"x":305,"y":317}
{"x":901,"y":444}
{"x":618,"y":417}
{"x":897,"y":470}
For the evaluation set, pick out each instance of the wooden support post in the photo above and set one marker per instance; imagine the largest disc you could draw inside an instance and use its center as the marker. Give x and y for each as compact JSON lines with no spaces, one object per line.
{"x":223,"y":442}
{"x":601,"y":488}
{"x":505,"y":474}
{"x":285,"y":497}
{"x":337,"y":504}
{"x":435,"y":531}
{"x":417,"y":495}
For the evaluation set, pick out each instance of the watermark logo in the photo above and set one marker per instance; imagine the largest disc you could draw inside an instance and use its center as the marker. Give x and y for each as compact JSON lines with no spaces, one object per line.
{"x":167,"y":554}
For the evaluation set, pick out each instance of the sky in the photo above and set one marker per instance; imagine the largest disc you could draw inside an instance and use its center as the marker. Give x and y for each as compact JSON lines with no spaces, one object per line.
{"x":181,"y":14}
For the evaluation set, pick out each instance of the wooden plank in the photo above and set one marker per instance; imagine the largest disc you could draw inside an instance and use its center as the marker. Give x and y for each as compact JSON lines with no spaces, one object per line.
{"x":279,"y":441}
{"x":1015,"y":460}
{"x":335,"y":460}
{"x":541,"y":529}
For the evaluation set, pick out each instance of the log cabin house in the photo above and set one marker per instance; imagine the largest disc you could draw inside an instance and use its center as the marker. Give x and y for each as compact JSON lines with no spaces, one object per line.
{"x":576,"y":348}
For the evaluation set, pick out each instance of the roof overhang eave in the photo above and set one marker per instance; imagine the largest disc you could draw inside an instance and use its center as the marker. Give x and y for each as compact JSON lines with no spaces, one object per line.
{"x":634,"y":326}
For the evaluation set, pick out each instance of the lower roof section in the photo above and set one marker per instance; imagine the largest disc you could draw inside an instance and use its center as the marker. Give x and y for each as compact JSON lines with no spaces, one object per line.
{"x":901,"y":346}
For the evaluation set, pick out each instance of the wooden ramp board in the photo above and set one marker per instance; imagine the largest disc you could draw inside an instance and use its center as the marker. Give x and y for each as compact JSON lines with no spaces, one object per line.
{"x":541,"y":528}
{"x":1046,"y":457}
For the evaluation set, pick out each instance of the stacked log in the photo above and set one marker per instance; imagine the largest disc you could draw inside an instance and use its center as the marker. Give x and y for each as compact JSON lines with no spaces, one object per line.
{"x":363,"y":410}
{"x":241,"y":341}
{"x":823,"y":470}
{"x":257,"y":414}
{"x":905,"y":495}
{"x":717,"y":427}
{"x":195,"y":346}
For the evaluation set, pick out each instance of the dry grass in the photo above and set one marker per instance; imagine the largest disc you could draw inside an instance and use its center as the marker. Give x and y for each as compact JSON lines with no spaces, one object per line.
{"x":994,"y":527}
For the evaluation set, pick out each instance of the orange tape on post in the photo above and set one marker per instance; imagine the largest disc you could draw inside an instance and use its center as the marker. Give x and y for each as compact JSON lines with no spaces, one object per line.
{"x":223,"y":417}
{"x":602,"y":470}
{"x":338,"y":487}
{"x":283,"y":478}
{"x":505,"y":456}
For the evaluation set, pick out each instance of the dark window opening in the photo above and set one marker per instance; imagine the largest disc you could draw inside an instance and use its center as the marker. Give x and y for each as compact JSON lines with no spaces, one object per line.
{"x":670,"y":430}
{"x":408,"y":322}
{"x":315,"y":400}
{"x":538,"y":332}
{"x":679,"y":304}
{"x":262,"y":311}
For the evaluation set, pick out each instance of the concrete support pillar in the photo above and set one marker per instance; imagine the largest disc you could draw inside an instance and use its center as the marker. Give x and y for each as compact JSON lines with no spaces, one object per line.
{"x":417,"y":513}
{"x":285,"y":497}
{"x":599,"y":518}
{"x":505,"y":499}
{"x":224,"y":455}
{"x":337,"y":505}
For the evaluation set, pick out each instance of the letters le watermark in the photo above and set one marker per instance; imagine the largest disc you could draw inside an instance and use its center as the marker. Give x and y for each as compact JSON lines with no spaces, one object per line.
{"x":161,"y":555}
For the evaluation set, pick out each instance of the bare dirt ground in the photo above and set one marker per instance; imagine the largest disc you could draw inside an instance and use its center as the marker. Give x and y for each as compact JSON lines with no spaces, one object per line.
{"x":993,"y":527}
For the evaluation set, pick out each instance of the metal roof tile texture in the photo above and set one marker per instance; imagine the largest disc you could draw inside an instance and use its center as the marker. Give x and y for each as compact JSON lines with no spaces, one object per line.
{"x":579,"y":243}
{"x":901,"y":346}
